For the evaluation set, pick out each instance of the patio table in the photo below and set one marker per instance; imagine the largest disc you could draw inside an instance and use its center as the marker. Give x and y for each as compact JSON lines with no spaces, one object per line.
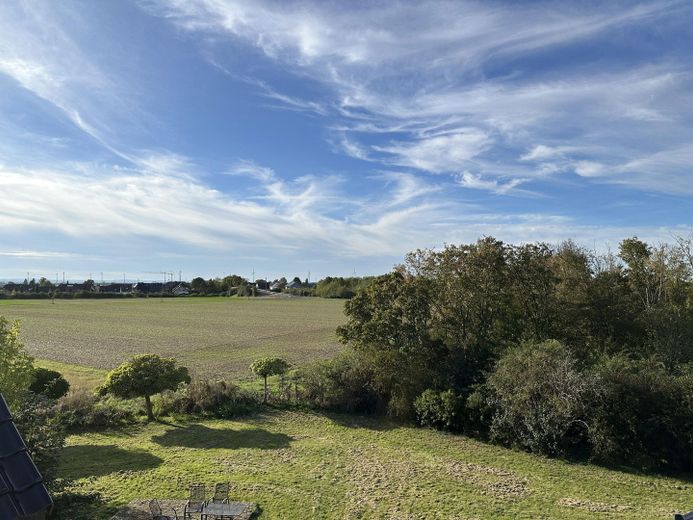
{"x":222,"y":510}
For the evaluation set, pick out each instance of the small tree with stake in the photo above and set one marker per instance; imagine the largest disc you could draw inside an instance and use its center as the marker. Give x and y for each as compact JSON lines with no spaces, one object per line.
{"x":144,"y":376}
{"x":269,"y":366}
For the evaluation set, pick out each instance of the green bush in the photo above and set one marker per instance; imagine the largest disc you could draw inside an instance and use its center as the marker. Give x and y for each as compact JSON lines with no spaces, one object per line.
{"x":341,"y":383}
{"x":541,"y":399}
{"x":213,"y":398}
{"x":440,"y":410}
{"x":83,"y":409}
{"x":644,"y":417}
{"x":49,"y":383}
{"x":41,"y":425}
{"x":16,"y":365}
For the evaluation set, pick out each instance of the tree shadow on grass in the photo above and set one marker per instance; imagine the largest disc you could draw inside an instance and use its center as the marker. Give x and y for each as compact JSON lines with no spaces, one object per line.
{"x":367,"y":422}
{"x":202,"y":437}
{"x":86,"y":460}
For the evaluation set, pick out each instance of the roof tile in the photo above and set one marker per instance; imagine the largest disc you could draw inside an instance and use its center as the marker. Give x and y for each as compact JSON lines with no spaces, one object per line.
{"x":22,"y":492}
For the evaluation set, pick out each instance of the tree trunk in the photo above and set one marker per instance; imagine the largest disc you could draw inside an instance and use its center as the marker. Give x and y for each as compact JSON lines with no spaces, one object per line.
{"x":265,"y":401}
{"x":148,"y":405}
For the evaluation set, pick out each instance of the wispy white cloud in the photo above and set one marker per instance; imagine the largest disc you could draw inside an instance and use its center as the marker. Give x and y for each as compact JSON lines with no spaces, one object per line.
{"x":406,"y":187}
{"x":589,"y":169}
{"x":39,"y":254}
{"x":251,"y":169}
{"x":475,"y":181}
{"x":184,"y":211}
{"x":418,"y":71}
{"x":441,"y":153}
{"x":466,"y":31}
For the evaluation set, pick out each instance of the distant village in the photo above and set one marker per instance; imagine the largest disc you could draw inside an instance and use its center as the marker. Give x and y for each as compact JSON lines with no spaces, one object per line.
{"x":227,"y":286}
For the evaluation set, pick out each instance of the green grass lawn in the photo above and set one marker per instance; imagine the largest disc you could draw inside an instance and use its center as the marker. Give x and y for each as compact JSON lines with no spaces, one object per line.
{"x":311,"y":466}
{"x":215,"y":337}
{"x":79,"y":377}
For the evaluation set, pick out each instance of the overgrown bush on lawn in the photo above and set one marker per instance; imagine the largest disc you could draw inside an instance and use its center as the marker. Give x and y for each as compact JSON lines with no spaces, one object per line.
{"x":440,"y":410}
{"x":214,"y":398}
{"x":340,"y":383}
{"x":49,"y":383}
{"x":16,"y":365}
{"x":83,"y":409}
{"x":644,"y":417}
{"x":541,"y":399}
{"x":41,"y":425}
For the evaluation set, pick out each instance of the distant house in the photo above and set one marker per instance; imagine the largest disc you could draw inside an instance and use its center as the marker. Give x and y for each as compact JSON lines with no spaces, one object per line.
{"x":180,"y":290}
{"x":175,"y":288}
{"x":148,"y":287}
{"x":74,"y":287}
{"x":112,"y":288}
{"x":293,"y":285}
{"x":22,"y":492}
{"x":14,"y":287}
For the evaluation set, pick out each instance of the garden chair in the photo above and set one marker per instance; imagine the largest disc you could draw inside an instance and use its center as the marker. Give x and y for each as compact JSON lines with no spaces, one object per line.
{"x":221,"y":492}
{"x":196,"y":501}
{"x":158,"y":514}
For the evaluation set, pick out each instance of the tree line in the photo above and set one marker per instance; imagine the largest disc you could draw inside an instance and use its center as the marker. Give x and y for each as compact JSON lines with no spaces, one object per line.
{"x":231,"y":285}
{"x":555,"y":350}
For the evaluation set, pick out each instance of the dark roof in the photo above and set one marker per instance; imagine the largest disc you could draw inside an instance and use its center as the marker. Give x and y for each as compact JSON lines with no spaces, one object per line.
{"x":22,"y":492}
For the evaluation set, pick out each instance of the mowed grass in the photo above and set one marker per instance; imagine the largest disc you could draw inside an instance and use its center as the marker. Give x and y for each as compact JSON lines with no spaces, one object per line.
{"x":215,"y":337}
{"x":312,"y":466}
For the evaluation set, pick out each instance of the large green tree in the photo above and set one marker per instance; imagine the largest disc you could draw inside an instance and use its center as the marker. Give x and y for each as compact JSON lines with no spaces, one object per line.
{"x":16,"y":365}
{"x":144,"y":376}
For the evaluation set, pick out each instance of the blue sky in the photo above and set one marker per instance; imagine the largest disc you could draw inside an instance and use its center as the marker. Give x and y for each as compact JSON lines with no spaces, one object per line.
{"x":220,"y":136}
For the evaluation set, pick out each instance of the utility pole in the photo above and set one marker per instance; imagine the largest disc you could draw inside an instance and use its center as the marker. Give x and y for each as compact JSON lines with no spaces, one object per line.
{"x":253,"y":275}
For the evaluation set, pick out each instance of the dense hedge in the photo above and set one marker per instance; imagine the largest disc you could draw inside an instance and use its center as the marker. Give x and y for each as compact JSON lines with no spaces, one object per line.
{"x":554,"y":350}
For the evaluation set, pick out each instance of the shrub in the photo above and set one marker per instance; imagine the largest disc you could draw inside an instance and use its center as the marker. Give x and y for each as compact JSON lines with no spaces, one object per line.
{"x":540,"y":399}
{"x":143,"y":376}
{"x":83,"y":409}
{"x":440,"y":410}
{"x":40,"y":423}
{"x":644,"y":417}
{"x":16,"y":365}
{"x":49,"y":383}
{"x":341,"y":383}
{"x":215,"y":398}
